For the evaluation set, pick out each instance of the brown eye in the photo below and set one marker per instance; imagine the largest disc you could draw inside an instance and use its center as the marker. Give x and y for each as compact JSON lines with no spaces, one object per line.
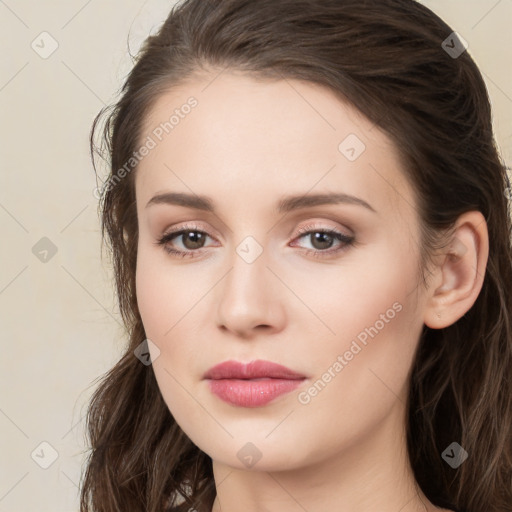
{"x":188,"y":241}
{"x":321,"y":240}
{"x":192,"y":239}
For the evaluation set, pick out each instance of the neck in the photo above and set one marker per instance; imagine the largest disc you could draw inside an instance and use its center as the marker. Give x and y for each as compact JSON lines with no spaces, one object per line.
{"x":372,"y":475}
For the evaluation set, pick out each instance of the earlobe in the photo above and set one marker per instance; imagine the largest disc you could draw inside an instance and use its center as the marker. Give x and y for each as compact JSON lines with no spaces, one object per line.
{"x":461,"y":271}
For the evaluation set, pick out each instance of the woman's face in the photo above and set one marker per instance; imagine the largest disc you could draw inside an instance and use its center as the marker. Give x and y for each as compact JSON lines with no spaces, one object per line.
{"x":259,"y":281}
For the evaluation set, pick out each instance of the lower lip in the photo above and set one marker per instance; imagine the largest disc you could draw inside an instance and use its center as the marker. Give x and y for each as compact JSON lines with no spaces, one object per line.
{"x":251,"y":392}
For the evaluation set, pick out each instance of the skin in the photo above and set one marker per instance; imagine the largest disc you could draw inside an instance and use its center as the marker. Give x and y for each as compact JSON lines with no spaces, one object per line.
{"x":247,"y":144}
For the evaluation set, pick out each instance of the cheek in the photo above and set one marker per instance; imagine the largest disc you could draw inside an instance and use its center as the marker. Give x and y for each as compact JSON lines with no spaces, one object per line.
{"x":371,"y":306}
{"x":163,"y":311}
{"x":169,"y":302}
{"x":362,"y":375}
{"x":363,"y":287}
{"x":149,"y":295}
{"x":377,"y":324}
{"x":165,"y":293}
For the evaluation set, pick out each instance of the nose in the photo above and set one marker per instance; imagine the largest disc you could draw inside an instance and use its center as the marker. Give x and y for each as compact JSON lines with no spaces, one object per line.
{"x":250,"y":299}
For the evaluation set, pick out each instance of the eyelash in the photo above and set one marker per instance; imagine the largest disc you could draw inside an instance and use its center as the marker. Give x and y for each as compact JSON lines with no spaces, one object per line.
{"x":346,"y":240}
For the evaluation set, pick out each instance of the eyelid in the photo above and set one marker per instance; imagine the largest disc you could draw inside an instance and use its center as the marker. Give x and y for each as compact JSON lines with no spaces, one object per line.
{"x":187,"y":226}
{"x":300,"y":231}
{"x":319,"y":226}
{"x":344,"y":239}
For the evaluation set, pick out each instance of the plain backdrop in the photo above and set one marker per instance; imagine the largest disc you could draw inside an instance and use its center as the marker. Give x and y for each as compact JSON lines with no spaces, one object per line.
{"x":61,"y":62}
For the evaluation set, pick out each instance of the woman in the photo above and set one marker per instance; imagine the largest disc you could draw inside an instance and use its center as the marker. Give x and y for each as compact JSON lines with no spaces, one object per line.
{"x":311,"y":244}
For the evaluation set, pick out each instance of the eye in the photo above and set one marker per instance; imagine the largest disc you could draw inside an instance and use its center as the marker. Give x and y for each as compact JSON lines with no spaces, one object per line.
{"x":193,"y":239}
{"x":322,"y":240}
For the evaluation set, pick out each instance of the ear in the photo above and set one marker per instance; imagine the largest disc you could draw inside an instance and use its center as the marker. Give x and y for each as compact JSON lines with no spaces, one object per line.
{"x":459,"y":275}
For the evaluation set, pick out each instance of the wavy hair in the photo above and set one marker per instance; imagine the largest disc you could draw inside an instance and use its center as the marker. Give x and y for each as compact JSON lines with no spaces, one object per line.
{"x":387,"y":58}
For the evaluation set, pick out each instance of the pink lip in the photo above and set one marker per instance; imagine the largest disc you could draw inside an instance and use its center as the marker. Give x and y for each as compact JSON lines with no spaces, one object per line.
{"x":253,"y":384}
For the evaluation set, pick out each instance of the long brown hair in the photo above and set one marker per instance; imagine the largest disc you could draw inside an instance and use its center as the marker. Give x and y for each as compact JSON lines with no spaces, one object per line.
{"x":388,"y":58}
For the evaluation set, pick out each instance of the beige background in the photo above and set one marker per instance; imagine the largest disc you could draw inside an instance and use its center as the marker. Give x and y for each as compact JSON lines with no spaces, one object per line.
{"x":60,"y":327}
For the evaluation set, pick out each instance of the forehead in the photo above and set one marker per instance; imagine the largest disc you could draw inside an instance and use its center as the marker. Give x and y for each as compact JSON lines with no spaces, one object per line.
{"x":264,"y":137}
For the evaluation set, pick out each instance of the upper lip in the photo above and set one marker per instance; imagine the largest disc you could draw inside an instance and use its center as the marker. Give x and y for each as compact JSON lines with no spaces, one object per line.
{"x":253,"y":370}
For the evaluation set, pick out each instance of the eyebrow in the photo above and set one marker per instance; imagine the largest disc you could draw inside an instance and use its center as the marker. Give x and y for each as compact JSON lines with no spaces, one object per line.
{"x":285,"y":205}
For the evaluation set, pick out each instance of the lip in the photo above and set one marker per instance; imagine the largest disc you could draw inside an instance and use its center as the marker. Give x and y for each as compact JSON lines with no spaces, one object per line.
{"x":253,"y":384}
{"x":258,"y":369}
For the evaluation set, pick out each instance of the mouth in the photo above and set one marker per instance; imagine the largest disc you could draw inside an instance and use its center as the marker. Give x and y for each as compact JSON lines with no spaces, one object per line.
{"x":253,"y":384}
